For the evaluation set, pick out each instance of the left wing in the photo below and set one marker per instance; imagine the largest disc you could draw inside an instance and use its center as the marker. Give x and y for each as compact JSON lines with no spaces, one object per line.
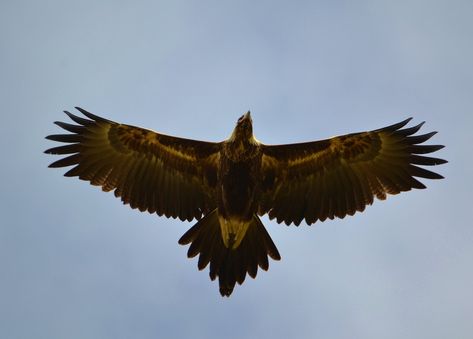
{"x":150,"y":171}
{"x":339,"y":176}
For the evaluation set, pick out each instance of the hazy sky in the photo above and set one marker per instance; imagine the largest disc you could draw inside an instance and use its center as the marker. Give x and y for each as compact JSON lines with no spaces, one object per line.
{"x":75,"y":263}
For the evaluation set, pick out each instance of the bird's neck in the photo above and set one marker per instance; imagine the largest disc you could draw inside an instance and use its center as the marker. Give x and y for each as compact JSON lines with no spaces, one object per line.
{"x":239,"y":147}
{"x":244,"y":139}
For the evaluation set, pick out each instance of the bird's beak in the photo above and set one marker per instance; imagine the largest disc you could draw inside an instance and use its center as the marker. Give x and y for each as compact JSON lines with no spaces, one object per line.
{"x":245,"y":118}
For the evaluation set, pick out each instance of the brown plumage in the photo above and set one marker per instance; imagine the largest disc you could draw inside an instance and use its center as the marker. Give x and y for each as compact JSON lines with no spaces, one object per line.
{"x":226,"y":185}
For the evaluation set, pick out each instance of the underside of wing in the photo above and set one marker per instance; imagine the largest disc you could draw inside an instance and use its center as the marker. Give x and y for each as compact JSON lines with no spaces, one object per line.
{"x":153,"y":172}
{"x":339,"y":176}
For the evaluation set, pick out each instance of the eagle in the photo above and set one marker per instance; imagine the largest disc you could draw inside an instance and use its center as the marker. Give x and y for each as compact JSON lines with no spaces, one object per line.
{"x":226,"y":186}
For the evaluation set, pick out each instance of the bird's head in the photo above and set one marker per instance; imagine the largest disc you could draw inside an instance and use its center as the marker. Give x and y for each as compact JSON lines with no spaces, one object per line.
{"x":244,"y":128}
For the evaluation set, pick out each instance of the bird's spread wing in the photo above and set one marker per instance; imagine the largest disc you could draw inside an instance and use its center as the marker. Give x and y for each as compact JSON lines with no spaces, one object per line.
{"x":339,"y":176}
{"x":150,"y":171}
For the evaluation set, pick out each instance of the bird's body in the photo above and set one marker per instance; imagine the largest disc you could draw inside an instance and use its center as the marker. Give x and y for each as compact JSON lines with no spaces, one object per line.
{"x":240,"y":188}
{"x":226,"y":186}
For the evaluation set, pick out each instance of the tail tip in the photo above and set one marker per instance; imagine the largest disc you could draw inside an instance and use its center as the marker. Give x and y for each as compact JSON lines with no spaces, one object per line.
{"x":226,"y":291}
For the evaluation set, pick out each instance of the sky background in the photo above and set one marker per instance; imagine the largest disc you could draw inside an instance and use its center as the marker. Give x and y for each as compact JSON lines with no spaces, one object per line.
{"x":75,"y":263}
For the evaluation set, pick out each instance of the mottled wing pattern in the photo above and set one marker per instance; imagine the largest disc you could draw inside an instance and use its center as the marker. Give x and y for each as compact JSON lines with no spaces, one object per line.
{"x":339,"y":176}
{"x":153,"y":172}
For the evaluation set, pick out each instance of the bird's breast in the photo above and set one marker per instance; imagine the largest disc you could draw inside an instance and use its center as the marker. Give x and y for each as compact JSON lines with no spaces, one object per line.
{"x":238,"y":186}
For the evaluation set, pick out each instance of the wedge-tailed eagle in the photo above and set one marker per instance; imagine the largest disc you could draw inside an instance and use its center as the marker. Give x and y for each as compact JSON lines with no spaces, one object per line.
{"x":227,"y":185}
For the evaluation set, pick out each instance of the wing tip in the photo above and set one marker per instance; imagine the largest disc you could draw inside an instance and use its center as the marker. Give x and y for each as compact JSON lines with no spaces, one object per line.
{"x":406,"y":121}
{"x":49,"y":150}
{"x":91,"y":116}
{"x":396,"y":126}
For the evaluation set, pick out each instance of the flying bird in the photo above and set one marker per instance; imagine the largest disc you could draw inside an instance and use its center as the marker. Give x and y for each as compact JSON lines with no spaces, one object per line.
{"x":226,"y":186}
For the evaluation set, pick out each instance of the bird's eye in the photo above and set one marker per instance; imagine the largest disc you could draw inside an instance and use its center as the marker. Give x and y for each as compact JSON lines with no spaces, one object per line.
{"x":241,"y":118}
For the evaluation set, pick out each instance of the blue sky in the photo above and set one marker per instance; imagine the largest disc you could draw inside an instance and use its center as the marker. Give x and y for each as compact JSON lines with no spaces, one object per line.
{"x":75,"y":263}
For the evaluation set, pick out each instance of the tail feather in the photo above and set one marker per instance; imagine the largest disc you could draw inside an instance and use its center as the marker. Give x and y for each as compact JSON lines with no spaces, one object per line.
{"x":229,"y":265}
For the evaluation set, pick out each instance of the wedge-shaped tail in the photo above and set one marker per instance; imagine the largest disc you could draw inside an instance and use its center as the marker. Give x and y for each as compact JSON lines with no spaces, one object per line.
{"x":229,"y":265}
